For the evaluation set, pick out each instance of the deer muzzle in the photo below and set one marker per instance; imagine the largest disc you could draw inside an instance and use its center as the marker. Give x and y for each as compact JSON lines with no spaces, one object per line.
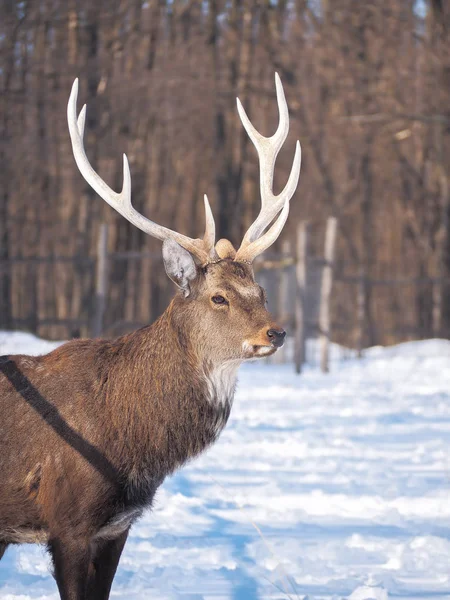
{"x":276,"y":337}
{"x":265,"y":342}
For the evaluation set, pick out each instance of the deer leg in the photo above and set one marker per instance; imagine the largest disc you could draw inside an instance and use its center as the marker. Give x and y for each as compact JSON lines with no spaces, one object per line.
{"x":2,"y":549}
{"x":71,"y":558}
{"x":104,"y":565}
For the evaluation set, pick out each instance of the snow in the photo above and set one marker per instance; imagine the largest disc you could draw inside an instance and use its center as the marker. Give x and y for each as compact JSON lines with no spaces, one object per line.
{"x":19,"y":342}
{"x":326,"y":486}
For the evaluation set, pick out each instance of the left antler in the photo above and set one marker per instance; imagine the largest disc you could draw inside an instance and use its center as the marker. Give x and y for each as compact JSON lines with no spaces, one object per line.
{"x":254,"y":242}
{"x":202,"y":249}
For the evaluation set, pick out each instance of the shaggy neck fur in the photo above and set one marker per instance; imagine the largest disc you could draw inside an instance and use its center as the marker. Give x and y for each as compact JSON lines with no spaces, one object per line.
{"x":172,"y":404}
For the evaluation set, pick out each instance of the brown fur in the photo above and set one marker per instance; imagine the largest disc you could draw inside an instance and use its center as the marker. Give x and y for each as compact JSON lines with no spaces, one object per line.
{"x":89,"y":432}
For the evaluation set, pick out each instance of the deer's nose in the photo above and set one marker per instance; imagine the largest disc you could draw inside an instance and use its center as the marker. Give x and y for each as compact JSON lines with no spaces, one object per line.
{"x":276,"y":337}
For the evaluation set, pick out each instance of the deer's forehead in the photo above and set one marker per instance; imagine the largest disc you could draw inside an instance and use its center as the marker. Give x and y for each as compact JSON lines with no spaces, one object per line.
{"x":249,"y":292}
{"x":233,"y":278}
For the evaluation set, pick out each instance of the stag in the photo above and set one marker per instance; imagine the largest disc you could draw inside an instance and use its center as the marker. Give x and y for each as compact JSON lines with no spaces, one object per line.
{"x":90,"y":431}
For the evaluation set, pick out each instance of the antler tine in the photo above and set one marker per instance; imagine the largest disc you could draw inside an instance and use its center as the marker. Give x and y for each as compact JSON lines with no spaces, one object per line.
{"x":249,"y":253}
{"x":203,"y":250}
{"x":210,"y":227}
{"x":268,"y":148}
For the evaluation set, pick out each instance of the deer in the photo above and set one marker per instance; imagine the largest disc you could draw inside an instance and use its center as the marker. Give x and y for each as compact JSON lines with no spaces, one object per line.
{"x":89,"y":431}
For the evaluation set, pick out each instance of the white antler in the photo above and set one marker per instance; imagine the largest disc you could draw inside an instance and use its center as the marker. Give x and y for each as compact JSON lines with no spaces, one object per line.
{"x":203,"y":249}
{"x":254,"y":242}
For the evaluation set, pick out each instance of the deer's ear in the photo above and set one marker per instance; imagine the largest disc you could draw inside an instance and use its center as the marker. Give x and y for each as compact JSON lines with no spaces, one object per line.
{"x":179,"y":265}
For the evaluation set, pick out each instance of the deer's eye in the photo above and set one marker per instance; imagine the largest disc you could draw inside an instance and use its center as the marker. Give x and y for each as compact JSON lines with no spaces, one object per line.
{"x":219,"y":300}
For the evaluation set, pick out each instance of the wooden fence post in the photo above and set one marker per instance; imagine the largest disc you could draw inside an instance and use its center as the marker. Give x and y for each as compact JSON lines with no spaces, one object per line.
{"x":361,"y":311}
{"x":437,"y":295}
{"x":325,"y":293}
{"x":101,"y":281}
{"x":283,"y":296}
{"x":300,"y":294}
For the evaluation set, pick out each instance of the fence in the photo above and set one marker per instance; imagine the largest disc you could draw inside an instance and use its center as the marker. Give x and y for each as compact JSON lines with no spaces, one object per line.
{"x":302,"y":295}
{"x":109,"y":294}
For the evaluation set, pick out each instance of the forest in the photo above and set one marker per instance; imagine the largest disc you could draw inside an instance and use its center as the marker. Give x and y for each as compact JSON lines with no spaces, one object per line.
{"x":368,"y":88}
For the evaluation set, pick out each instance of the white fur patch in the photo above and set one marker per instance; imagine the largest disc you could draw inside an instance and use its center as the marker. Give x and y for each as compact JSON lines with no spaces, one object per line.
{"x":221,"y":387}
{"x":251,"y":353}
{"x":222,"y":382}
{"x":264,"y":350}
{"x":246,"y":347}
{"x":118,"y":525}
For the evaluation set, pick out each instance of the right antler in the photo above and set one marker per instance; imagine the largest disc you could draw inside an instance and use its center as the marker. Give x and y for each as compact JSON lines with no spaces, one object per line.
{"x":254,"y":242}
{"x":203,"y":249}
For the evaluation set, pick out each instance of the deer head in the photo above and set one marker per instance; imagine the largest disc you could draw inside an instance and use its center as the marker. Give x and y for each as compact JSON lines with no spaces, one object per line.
{"x":219,"y":299}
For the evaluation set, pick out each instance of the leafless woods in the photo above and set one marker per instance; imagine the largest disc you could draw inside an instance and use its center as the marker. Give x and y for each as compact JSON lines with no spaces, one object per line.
{"x":369,"y":87}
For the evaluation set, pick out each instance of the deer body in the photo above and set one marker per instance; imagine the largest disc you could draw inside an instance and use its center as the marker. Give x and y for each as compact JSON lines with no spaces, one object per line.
{"x":143,"y":403}
{"x":90,"y":431}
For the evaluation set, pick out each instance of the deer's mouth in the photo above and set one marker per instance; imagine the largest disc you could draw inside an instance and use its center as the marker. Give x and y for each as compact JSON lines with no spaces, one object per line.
{"x":264,"y":350}
{"x":258,"y":350}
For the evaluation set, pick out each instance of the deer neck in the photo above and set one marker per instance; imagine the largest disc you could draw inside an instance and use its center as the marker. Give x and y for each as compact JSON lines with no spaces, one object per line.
{"x":219,"y":374}
{"x":173,"y":401}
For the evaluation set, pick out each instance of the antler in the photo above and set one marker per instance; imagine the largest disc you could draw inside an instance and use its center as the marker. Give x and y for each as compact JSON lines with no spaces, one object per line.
{"x":254,"y":242}
{"x":203,"y":249}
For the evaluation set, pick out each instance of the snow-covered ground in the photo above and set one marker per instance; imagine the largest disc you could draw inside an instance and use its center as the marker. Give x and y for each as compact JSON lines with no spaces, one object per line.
{"x":325,"y":486}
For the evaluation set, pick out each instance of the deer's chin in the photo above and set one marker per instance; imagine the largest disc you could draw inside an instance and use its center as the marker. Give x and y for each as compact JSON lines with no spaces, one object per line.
{"x":262,"y":351}
{"x":252,"y":351}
